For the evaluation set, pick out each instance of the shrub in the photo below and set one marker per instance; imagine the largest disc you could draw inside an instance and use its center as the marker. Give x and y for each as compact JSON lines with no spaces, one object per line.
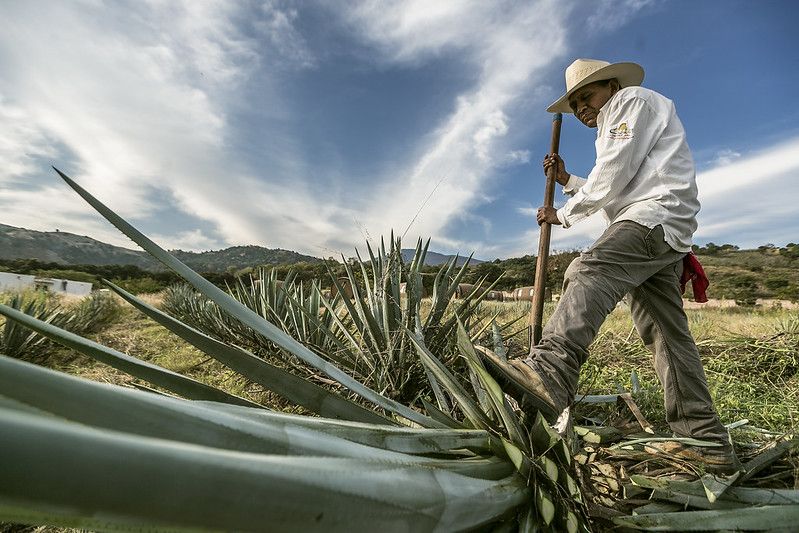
{"x":141,"y":285}
{"x":88,"y":315}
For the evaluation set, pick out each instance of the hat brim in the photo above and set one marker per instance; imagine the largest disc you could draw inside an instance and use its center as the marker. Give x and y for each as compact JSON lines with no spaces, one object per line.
{"x":628,"y":74}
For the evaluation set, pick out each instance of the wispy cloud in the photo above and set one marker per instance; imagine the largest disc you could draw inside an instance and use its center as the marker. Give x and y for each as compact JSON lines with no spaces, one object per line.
{"x":133,"y":99}
{"x":509,"y":45}
{"x":610,"y":15}
{"x":725,"y":157}
{"x":752,"y":200}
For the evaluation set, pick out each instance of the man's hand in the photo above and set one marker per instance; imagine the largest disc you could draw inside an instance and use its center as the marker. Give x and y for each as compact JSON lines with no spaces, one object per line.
{"x":562,"y":176}
{"x":547,"y":214}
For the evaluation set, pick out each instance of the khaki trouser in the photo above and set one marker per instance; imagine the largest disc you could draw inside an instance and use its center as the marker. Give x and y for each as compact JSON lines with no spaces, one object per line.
{"x":630,"y":259}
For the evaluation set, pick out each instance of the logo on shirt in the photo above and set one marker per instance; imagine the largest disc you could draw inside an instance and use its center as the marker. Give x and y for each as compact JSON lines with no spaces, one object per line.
{"x":622,"y":131}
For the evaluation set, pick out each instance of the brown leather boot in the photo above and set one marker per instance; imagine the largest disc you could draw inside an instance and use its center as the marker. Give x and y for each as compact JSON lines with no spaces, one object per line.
{"x":523,"y":383}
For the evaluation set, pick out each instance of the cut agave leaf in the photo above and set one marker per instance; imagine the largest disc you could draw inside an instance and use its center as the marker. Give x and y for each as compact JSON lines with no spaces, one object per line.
{"x":67,"y":474}
{"x":544,"y":504}
{"x":399,"y":439}
{"x":715,"y":486}
{"x":766,"y":518}
{"x":116,"y":408}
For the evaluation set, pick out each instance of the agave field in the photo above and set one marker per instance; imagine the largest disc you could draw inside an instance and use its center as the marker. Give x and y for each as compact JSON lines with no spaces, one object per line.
{"x":373,"y":413}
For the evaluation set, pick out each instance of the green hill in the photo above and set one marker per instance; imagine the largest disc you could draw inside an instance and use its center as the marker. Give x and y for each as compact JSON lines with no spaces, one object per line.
{"x":69,"y":249}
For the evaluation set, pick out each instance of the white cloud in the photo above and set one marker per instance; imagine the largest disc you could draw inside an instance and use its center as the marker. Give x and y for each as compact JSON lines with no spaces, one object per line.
{"x":194,"y":240}
{"x":610,"y":15}
{"x":516,"y":157}
{"x":725,"y":157}
{"x":527,"y":210}
{"x":279,"y":26}
{"x":752,"y":200}
{"x":132,"y":98}
{"x":21,"y":142}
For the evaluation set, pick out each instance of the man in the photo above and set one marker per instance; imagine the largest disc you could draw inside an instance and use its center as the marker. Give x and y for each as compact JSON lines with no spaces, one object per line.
{"x":643,"y":181}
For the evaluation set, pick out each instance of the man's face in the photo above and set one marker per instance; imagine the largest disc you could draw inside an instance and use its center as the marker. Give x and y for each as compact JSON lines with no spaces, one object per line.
{"x":587,"y":101}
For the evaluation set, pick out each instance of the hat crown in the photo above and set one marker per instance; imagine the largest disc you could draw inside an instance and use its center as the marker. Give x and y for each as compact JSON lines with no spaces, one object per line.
{"x":581,"y":69}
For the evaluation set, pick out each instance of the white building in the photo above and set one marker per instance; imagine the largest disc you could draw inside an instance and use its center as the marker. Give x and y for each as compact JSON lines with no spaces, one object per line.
{"x":20,"y":282}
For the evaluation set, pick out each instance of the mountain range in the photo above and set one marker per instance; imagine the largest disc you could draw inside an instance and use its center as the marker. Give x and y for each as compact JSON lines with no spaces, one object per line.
{"x":71,"y":249}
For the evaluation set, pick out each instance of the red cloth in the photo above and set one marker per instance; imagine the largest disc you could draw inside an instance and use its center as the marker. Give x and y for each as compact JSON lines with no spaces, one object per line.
{"x":692,"y":271}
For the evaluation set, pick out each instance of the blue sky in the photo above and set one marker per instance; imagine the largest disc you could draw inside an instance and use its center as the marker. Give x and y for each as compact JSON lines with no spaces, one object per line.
{"x":315,"y":126}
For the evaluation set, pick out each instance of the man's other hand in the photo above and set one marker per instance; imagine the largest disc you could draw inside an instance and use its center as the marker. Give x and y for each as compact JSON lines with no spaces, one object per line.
{"x":547,"y":214}
{"x":562,"y":176}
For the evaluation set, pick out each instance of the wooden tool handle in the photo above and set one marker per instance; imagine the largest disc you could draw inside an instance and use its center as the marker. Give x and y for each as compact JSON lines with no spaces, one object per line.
{"x":537,"y":310}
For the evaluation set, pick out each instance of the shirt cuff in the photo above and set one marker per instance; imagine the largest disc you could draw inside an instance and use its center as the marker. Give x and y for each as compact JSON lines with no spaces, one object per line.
{"x":562,"y":217}
{"x":573,"y":185}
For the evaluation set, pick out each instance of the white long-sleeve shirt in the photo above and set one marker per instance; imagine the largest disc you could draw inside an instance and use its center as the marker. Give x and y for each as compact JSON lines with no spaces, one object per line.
{"x":644,"y":170}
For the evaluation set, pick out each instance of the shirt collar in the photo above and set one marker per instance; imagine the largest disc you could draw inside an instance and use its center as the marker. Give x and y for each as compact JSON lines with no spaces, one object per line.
{"x":600,"y":117}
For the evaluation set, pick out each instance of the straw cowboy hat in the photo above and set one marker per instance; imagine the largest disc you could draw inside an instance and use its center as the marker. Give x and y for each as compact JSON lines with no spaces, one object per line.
{"x":585,"y":71}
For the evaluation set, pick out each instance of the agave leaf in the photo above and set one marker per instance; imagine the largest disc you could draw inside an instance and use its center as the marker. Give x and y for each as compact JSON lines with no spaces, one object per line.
{"x":154,"y":374}
{"x":482,"y":397}
{"x":444,"y":290}
{"x":766,"y":518}
{"x":768,"y":457}
{"x":715,"y":486}
{"x":549,"y":467}
{"x":287,"y":385}
{"x":60,"y":473}
{"x":247,"y":316}
{"x":687,"y":440}
{"x":311,"y":314}
{"x":441,"y":416}
{"x":372,"y":325}
{"x":472,"y":411}
{"x":494,"y":391}
{"x":399,"y":439}
{"x":499,"y":342}
{"x":658,"y":507}
{"x":689,"y":501}
{"x":739,"y":495}
{"x":571,"y":522}
{"x":543,"y":439}
{"x":544,"y":504}
{"x":116,"y":408}
{"x":441,"y":398}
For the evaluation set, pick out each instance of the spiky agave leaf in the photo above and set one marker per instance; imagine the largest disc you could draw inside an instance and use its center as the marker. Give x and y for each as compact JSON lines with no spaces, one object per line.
{"x":67,"y":474}
{"x":141,"y":413}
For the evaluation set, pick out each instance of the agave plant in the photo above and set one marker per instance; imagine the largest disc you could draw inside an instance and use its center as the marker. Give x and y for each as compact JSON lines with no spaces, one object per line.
{"x":81,"y":454}
{"x":365,"y":335}
{"x":15,"y":340}
{"x":85,"y":316}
